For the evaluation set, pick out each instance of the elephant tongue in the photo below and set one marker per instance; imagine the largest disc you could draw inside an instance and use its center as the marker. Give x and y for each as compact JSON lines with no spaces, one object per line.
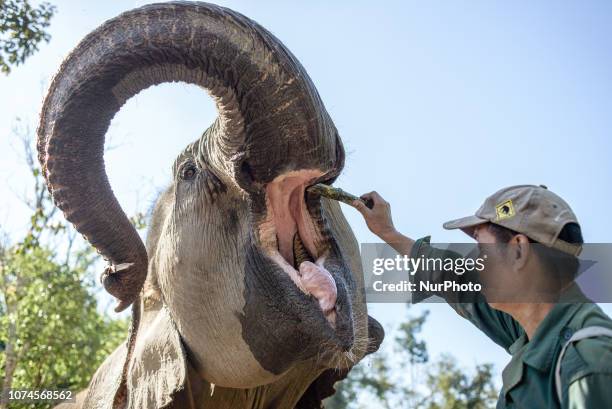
{"x":319,"y":282}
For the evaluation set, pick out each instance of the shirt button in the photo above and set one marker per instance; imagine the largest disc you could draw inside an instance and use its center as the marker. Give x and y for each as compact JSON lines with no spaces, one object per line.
{"x":567,"y":334}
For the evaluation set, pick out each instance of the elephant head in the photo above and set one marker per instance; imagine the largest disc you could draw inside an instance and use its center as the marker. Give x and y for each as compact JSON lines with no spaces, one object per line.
{"x":245,"y":274}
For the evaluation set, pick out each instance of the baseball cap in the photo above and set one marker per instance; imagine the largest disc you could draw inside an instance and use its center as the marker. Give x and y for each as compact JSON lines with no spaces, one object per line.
{"x":531,"y":210}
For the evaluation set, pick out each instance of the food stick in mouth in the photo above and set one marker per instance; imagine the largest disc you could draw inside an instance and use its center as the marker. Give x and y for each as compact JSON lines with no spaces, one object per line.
{"x":337,"y":194}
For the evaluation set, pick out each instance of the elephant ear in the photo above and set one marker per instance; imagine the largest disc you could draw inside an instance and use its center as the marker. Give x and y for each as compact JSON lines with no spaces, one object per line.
{"x":157,"y":369}
{"x":323,"y":386}
{"x":106,"y":381}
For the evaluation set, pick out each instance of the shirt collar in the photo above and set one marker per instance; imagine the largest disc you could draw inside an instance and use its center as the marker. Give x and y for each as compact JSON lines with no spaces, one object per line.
{"x":541,"y":349}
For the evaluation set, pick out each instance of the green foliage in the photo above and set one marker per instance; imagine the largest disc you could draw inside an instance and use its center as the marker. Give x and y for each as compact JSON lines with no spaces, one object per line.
{"x":139,"y":221}
{"x":22,"y":28}
{"x":451,"y":388}
{"x":59,"y":336}
{"x":408,"y":343}
{"x":369,"y":377}
{"x":52,"y":335}
{"x":408,"y":380}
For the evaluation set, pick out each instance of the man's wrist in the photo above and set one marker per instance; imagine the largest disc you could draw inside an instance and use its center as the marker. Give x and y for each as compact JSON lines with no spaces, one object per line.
{"x":399,"y":242}
{"x":390,"y":235}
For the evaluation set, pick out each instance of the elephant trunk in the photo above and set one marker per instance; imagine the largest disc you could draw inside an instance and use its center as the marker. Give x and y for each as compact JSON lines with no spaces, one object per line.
{"x":260,"y":89}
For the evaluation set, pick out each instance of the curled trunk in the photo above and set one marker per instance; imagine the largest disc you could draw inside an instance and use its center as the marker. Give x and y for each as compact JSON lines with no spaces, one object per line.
{"x":259,"y":87}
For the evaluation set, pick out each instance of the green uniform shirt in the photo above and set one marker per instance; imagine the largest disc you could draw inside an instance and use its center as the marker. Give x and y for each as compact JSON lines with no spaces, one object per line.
{"x":529,"y":378}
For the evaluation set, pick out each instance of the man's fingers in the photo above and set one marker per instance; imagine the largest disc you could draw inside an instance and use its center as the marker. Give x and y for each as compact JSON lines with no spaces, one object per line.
{"x":361,"y":207}
{"x":374,"y":197}
{"x":377,"y":198}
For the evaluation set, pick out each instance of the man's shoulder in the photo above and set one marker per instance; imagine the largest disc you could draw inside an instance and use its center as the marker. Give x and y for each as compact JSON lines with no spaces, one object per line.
{"x":589,"y":315}
{"x":588,"y":355}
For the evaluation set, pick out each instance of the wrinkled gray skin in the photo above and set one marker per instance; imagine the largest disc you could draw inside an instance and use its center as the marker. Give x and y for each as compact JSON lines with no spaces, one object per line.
{"x":214,"y":294}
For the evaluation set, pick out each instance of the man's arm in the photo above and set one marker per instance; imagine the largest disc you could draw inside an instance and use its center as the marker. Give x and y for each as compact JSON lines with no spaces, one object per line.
{"x":400,"y":243}
{"x":497,"y":325}
{"x":380,"y":222}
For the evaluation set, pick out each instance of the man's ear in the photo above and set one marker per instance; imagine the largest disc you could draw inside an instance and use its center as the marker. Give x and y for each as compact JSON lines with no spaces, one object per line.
{"x":157,"y":369}
{"x":520,"y":250}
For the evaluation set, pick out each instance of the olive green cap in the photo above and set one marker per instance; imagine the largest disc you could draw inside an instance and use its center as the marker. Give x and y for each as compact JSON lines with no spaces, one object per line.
{"x":531,"y":210}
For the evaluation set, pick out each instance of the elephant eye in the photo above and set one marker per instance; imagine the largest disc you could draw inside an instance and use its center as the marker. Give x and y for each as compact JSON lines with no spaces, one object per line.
{"x":188,"y":171}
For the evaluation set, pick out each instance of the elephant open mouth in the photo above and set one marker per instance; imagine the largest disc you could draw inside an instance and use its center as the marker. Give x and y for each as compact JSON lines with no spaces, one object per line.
{"x":293,"y":239}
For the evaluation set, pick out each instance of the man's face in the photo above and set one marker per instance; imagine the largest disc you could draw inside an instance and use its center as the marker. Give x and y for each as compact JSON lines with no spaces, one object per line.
{"x":500,"y":283}
{"x":482,"y":235}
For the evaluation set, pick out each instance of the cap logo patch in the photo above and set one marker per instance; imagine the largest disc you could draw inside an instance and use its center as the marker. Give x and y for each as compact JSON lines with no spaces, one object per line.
{"x":504,"y":210}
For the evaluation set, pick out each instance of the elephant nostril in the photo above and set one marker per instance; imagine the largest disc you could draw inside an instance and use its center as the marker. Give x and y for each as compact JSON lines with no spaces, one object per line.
{"x":247,"y":172}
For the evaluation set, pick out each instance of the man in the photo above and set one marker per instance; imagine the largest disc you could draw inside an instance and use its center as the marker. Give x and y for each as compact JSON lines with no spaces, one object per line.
{"x":560,"y":342}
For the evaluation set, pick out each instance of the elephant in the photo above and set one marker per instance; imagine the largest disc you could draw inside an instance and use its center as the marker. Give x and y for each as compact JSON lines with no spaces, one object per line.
{"x":249,"y":291}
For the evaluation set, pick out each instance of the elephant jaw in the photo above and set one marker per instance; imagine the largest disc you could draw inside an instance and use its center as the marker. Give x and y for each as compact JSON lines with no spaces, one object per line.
{"x":292,"y":239}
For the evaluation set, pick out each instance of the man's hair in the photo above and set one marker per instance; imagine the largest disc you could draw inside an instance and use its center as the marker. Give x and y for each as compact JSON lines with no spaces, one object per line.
{"x":562,"y":265}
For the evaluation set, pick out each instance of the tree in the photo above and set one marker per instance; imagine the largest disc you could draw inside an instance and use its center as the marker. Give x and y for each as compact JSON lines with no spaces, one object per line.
{"x":22,"y":29}
{"x":407,"y":340}
{"x":451,"y":388}
{"x":55,"y":337}
{"x":52,"y":334}
{"x":408,"y":380}
{"x":370,"y":377}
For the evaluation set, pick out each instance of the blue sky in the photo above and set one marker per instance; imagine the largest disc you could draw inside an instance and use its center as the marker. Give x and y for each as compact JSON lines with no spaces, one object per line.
{"x":439,"y":104}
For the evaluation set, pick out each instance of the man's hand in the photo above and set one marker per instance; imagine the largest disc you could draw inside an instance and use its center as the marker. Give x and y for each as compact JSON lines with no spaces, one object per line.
{"x":378,"y":218}
{"x":380,"y":222}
